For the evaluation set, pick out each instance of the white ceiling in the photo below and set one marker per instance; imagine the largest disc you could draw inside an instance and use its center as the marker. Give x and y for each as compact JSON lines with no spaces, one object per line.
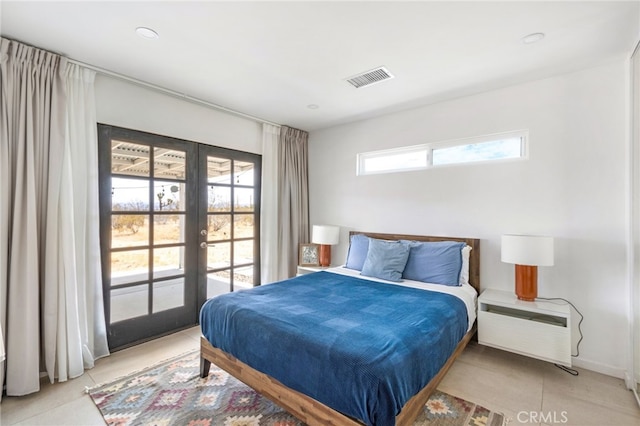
{"x":273,"y":59}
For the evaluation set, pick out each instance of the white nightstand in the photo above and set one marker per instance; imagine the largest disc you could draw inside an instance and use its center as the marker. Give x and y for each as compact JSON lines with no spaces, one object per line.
{"x":302,"y":270}
{"x":540,"y":329}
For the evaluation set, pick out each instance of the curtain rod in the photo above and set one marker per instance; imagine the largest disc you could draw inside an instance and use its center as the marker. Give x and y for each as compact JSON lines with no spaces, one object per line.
{"x":170,"y":92}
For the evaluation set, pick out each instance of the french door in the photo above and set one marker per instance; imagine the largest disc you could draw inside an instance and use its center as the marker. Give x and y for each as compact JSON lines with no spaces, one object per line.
{"x":179,"y":224}
{"x":229,"y":226}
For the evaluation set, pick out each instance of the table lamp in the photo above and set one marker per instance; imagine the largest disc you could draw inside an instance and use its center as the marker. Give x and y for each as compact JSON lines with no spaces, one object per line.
{"x":326,"y":236}
{"x":527,"y":252}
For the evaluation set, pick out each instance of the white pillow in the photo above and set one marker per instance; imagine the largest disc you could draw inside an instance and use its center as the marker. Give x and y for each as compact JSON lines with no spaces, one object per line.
{"x":464,"y":270}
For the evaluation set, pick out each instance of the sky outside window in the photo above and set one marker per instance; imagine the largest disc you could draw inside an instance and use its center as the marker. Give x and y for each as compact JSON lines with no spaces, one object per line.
{"x":483,"y":151}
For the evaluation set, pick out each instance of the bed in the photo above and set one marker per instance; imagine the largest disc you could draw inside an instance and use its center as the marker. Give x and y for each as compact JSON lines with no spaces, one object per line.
{"x":344,"y":349}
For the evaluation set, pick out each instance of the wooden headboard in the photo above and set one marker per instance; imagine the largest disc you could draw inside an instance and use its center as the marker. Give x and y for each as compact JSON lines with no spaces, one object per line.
{"x":474,"y":257}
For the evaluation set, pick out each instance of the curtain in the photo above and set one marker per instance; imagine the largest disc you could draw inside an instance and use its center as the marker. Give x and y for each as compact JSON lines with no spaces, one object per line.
{"x":73,"y":328}
{"x":633,"y":373}
{"x":1,"y":361}
{"x":49,"y":269}
{"x":269,"y":205}
{"x":32,"y":106}
{"x":293,"y":198}
{"x":5,"y":196}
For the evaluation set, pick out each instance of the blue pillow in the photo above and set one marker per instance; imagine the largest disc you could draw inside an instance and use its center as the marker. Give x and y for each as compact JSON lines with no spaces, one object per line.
{"x":385,"y":259}
{"x":358,"y":248}
{"x":434,"y":262}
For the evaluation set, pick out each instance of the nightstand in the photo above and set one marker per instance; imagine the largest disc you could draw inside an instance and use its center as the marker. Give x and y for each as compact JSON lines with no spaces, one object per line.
{"x":540,"y":329}
{"x":302,"y":270}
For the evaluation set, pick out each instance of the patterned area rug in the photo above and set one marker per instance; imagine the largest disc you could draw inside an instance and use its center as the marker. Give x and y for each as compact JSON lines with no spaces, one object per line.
{"x":172,"y":393}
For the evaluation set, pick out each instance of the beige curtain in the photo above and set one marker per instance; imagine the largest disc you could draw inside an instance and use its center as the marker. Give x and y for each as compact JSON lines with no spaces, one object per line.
{"x":269,"y":216}
{"x":31,"y":109}
{"x":46,"y":194}
{"x":293,"y":198}
{"x":74,"y":330}
{"x":633,"y":374}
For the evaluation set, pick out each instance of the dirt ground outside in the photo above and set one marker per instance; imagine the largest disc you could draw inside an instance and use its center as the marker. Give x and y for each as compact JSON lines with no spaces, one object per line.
{"x":133,"y":231}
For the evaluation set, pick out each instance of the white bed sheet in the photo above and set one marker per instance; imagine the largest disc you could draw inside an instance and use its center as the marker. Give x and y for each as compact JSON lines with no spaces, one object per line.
{"x":464,"y":292}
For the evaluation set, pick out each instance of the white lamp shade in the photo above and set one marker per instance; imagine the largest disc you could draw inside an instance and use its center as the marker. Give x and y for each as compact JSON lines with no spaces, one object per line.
{"x":527,"y":250}
{"x":325,"y":234}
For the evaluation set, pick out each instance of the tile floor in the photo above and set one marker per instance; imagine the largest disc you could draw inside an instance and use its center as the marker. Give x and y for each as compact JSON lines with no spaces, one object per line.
{"x":528,"y":391}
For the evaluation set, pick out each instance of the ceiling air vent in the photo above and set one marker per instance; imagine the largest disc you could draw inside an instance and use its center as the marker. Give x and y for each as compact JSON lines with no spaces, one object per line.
{"x":370,"y":77}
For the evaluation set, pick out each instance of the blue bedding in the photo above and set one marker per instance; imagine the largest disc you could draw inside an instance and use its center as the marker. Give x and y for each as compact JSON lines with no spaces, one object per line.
{"x":361,"y":347}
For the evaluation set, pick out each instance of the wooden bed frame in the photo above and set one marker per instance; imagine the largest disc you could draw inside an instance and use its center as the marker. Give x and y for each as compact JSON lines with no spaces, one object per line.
{"x":313,"y":412}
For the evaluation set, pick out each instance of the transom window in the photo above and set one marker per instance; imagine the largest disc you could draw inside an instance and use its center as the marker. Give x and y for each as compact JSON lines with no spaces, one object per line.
{"x":502,"y":146}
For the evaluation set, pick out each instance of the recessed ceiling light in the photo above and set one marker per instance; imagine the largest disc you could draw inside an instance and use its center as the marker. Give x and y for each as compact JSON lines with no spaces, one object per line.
{"x":146,"y":33}
{"x":532,"y":38}
{"x":313,"y":106}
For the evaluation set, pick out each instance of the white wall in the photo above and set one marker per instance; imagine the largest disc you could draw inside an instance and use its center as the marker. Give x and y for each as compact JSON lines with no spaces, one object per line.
{"x":573,"y":187}
{"x":124,"y":104}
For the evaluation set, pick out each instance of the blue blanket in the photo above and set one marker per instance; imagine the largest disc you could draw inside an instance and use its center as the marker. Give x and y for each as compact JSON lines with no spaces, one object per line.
{"x":361,"y":347}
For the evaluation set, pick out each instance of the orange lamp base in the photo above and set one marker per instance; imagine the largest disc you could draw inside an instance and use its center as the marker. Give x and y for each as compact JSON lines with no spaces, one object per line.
{"x":527,"y":282}
{"x":325,"y":255}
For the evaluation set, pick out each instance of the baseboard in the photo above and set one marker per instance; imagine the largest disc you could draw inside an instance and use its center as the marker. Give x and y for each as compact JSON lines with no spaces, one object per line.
{"x":617,"y":372}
